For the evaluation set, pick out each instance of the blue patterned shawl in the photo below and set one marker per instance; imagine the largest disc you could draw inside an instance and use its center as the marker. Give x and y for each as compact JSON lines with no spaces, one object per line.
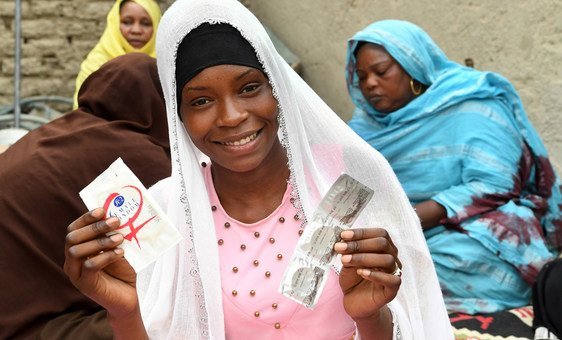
{"x":467,"y":144}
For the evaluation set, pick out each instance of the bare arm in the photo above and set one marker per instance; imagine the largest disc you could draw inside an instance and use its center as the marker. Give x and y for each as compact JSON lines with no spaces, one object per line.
{"x":128,"y":327}
{"x":379,"y":326}
{"x":430,"y":213}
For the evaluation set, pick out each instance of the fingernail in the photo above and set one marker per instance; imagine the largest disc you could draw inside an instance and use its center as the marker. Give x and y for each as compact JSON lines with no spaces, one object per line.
{"x":116,"y":237}
{"x":347,"y":234}
{"x":97,"y":213}
{"x":346,"y":258}
{"x":112,"y":222}
{"x":340,"y":246}
{"x":119,"y":251}
{"x":363,"y":272}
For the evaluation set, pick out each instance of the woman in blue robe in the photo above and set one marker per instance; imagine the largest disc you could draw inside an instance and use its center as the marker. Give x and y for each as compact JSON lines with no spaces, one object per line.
{"x":469,"y":159}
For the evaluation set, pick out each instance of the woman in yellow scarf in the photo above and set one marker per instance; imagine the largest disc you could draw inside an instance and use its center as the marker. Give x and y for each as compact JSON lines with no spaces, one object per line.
{"x":120,"y":36}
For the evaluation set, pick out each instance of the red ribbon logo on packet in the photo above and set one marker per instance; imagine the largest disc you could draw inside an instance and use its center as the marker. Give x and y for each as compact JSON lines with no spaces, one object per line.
{"x":126,"y":209}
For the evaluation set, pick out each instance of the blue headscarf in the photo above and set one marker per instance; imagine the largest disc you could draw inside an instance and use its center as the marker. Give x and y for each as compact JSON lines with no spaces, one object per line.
{"x":451,"y":87}
{"x":450,"y":83}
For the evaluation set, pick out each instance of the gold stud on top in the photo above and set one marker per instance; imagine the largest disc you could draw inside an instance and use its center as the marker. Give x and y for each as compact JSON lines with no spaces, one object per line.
{"x":300,"y":232}
{"x":252,"y":292}
{"x":214,"y":208}
{"x":234,"y":293}
{"x":292,"y":200}
{"x":271,"y":240}
{"x":203,"y":164}
{"x":282,"y":219}
{"x":256,"y":234}
{"x":257,"y":314}
{"x":226,"y":224}
{"x":279,"y":256}
{"x":221,"y":242}
{"x":277,"y":325}
{"x":256,"y":263}
{"x":274,"y":306}
{"x":235,"y":269}
{"x":243,"y":246}
{"x":296,"y":217}
{"x":267,"y":274}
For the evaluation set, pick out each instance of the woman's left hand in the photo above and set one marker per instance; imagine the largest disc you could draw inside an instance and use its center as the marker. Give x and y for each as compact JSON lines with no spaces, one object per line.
{"x":370,"y":277}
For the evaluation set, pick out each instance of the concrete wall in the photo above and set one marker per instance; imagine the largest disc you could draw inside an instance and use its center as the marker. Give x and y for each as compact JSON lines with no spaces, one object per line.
{"x":520,"y":39}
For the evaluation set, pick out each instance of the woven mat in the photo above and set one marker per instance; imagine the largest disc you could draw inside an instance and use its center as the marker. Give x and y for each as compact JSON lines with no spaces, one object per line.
{"x":514,"y":324}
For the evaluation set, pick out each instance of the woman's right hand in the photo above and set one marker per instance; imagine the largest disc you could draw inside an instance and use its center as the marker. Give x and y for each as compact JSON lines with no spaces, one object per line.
{"x":97,"y":267}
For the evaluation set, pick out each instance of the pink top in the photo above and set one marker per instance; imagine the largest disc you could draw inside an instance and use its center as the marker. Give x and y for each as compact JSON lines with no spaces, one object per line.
{"x":253,"y":258}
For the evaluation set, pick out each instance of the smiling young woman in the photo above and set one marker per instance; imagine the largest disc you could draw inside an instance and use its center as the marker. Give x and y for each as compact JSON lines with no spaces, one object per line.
{"x":253,"y":151}
{"x":231,"y":115}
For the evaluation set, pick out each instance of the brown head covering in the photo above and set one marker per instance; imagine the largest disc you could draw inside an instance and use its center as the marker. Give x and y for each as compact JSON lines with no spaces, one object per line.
{"x":121,"y":114}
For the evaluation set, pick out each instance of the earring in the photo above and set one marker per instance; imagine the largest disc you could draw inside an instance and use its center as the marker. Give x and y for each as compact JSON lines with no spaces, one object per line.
{"x":415,"y":91}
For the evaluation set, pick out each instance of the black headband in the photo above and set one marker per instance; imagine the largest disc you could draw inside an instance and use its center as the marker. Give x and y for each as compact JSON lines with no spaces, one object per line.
{"x":210,"y":45}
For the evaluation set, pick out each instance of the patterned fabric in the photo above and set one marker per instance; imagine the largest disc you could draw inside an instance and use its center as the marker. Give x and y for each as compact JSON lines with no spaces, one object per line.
{"x":467,"y":144}
{"x":512,"y":324}
{"x":496,"y":286}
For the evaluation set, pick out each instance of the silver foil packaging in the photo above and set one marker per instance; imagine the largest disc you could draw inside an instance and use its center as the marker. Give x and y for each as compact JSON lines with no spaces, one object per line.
{"x":309,"y":267}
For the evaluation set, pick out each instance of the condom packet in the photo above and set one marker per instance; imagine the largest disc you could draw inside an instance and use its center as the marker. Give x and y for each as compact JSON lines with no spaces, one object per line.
{"x":311,"y":262}
{"x":147,"y":230}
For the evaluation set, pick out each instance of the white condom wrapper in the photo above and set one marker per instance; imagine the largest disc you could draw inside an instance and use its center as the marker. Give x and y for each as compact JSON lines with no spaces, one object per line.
{"x":147,"y":230}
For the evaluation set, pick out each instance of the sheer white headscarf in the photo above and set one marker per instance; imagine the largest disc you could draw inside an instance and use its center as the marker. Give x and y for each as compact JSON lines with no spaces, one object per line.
{"x":180,"y":294}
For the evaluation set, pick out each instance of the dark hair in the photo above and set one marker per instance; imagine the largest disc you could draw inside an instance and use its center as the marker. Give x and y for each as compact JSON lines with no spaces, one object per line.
{"x":122,"y":3}
{"x":359,"y":45}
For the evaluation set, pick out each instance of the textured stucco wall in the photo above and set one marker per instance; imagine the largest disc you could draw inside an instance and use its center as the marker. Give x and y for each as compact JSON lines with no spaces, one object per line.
{"x":520,"y":39}
{"x":56,"y":37}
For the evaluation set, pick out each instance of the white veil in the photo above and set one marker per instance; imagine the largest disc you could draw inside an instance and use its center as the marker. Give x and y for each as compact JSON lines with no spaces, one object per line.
{"x":180,"y":294}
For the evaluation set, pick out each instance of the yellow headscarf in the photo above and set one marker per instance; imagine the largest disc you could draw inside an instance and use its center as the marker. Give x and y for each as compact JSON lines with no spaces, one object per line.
{"x":113,"y":44}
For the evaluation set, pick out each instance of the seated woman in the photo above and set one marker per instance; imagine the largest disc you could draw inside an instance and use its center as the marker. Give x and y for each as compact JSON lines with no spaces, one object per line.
{"x":253,"y":150}
{"x":40,"y":177}
{"x":131,"y":27}
{"x":468,"y":158}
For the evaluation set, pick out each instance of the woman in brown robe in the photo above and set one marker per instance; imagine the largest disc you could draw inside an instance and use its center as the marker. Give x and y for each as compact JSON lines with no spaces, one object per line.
{"x":121,"y":114}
